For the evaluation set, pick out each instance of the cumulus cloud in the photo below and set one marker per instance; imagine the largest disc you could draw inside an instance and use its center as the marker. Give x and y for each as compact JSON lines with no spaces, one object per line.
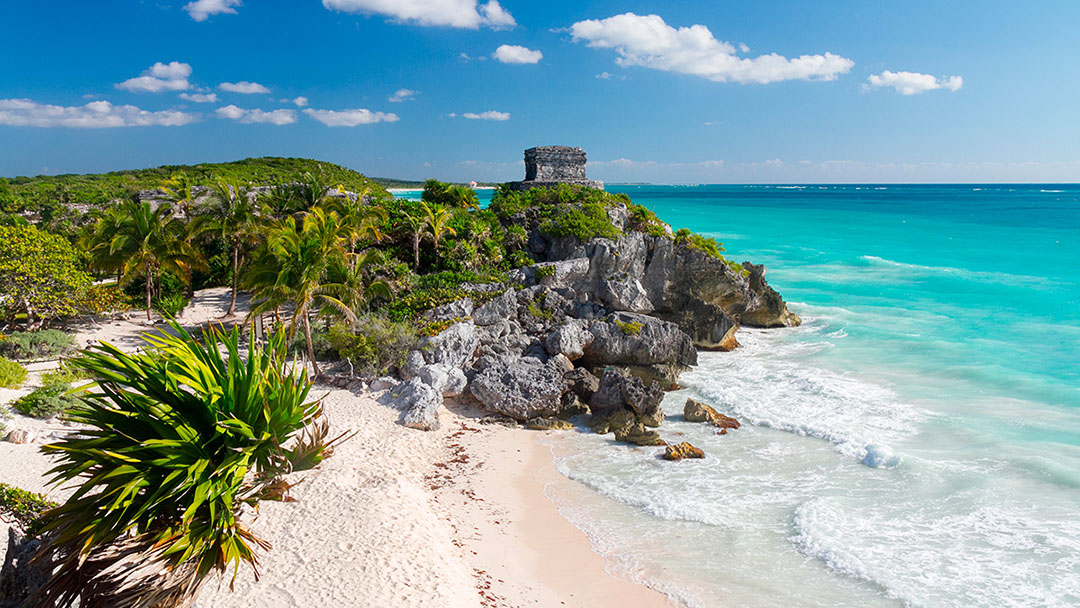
{"x":273,"y":117}
{"x":244,"y":87}
{"x":94,"y":115}
{"x":401,"y":95}
{"x":647,"y":41}
{"x":299,"y":102}
{"x":200,"y":10}
{"x":604,"y":75}
{"x":172,"y":76}
{"x":200,"y":97}
{"x":489,"y":115}
{"x":911,"y":83}
{"x":509,"y":53}
{"x":350,"y":118}
{"x":469,"y":14}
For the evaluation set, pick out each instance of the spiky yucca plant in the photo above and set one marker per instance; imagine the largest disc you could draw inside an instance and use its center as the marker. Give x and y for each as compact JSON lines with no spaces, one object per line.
{"x":179,"y":438}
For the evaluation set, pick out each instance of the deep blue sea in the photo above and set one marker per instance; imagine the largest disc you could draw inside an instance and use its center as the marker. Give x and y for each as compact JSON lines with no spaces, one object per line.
{"x":915,"y":443}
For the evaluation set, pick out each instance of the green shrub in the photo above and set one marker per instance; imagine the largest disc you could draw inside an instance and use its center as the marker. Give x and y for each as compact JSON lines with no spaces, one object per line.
{"x":708,"y":246}
{"x":171,"y":305}
{"x":535,"y":309}
{"x":373,"y":345}
{"x":101,"y":299}
{"x":44,"y":344}
{"x":645,"y":220}
{"x":319,"y":343}
{"x":65,"y":374}
{"x":544,"y":271}
{"x":23,"y":506}
{"x":11,"y":374}
{"x":173,"y":448}
{"x":630,"y":328}
{"x":419,"y":300}
{"x":584,"y":222}
{"x":47,"y":401}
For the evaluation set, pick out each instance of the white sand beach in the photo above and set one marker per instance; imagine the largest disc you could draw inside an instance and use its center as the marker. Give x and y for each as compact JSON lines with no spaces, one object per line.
{"x":453,"y":518}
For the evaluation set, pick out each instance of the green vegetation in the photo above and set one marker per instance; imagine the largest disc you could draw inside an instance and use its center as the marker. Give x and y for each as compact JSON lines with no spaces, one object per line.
{"x":40,"y":274}
{"x":12,"y":374}
{"x":708,"y":246}
{"x":645,"y":220}
{"x":177,"y":442}
{"x":630,"y":328}
{"x":449,"y":195}
{"x":544,"y":271}
{"x":373,"y":345}
{"x":564,"y":210}
{"x":38,"y":193}
{"x":23,"y":506}
{"x":43,"y":344}
{"x":65,"y":374}
{"x":47,"y":401}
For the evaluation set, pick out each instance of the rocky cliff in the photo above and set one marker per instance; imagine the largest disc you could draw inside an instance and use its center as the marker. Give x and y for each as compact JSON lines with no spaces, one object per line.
{"x":602,"y":325}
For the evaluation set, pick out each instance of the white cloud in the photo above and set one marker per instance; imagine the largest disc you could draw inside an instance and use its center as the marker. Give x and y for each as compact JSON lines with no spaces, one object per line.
{"x":300,"y":101}
{"x":648,"y":41}
{"x":200,"y":10}
{"x":509,"y":53}
{"x":401,"y":95}
{"x":274,"y":117}
{"x":350,"y":118}
{"x":94,"y":115}
{"x":160,"y":77}
{"x":910,"y":83}
{"x":469,"y":14}
{"x":604,"y":75}
{"x":244,"y":87}
{"x":200,"y":97}
{"x":489,"y":115}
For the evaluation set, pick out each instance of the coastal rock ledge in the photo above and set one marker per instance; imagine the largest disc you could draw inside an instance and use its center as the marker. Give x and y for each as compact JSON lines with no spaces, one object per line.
{"x":598,"y":325}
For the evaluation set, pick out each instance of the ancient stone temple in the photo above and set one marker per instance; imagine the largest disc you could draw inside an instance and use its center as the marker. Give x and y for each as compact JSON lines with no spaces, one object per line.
{"x":546,"y":166}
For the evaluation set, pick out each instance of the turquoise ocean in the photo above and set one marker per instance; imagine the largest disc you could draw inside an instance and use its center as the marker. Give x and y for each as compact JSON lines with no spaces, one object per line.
{"x":916,"y":442}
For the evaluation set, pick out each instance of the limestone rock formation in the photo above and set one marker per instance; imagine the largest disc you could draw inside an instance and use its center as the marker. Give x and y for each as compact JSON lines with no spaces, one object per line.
{"x":696,"y":411}
{"x":521,"y":389}
{"x":683,"y":450}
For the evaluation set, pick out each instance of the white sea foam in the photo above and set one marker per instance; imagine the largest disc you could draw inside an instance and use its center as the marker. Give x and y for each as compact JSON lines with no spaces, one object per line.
{"x":955,"y":553}
{"x":962,"y":273}
{"x":770,"y":383}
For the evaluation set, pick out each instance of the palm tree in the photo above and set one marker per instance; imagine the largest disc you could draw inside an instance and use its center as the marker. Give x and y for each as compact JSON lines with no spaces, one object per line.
{"x":415,"y":226}
{"x":178,"y":191}
{"x":359,"y":220}
{"x":97,"y":239}
{"x":293,"y":269}
{"x":149,"y":241}
{"x":311,"y":191}
{"x":232,"y":214}
{"x":437,"y":224}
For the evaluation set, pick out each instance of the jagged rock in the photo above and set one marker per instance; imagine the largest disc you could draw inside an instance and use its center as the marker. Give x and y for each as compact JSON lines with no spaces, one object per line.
{"x":569,"y":339}
{"x":20,"y":436}
{"x":654,"y":419}
{"x":655,"y":349}
{"x":454,"y":347}
{"x":450,"y":381}
{"x":773,"y":312}
{"x":638,"y":435}
{"x":21,"y":575}
{"x":563,"y":273}
{"x":500,"y":420}
{"x":548,"y":424}
{"x":620,"y":390}
{"x":384,"y":383}
{"x":501,"y":308}
{"x":448,"y":312}
{"x":618,"y":421}
{"x":572,"y":405}
{"x":582,"y":383}
{"x":561,"y":363}
{"x":683,"y":450}
{"x":625,"y":293}
{"x":421,"y":403}
{"x":522,"y":389}
{"x":414,"y":360}
{"x":696,"y":411}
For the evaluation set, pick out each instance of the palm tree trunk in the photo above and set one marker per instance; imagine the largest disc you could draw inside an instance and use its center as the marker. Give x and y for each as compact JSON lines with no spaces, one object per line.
{"x":416,"y":252}
{"x":149,"y":287}
{"x":310,"y":345}
{"x":235,"y":278}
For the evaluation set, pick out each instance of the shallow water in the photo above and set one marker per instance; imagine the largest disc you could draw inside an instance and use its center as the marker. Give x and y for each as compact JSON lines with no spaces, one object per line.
{"x":916,"y":442}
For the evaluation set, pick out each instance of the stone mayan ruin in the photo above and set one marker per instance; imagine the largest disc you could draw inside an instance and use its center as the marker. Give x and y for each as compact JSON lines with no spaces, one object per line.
{"x":546,"y":166}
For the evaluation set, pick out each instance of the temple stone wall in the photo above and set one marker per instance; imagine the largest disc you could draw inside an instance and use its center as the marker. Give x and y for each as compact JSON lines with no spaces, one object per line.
{"x":546,"y":166}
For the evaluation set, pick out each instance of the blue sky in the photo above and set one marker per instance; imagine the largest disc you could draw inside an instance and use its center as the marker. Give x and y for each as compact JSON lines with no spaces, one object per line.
{"x":664,"y":92}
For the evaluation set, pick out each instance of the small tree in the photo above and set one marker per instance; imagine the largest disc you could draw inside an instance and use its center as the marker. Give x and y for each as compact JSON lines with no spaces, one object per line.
{"x":450,"y":195}
{"x":437,"y":224}
{"x":40,"y":274}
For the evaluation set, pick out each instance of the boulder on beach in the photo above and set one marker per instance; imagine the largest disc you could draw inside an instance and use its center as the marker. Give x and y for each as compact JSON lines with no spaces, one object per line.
{"x":683,"y":450}
{"x":521,"y":388}
{"x":696,"y":411}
